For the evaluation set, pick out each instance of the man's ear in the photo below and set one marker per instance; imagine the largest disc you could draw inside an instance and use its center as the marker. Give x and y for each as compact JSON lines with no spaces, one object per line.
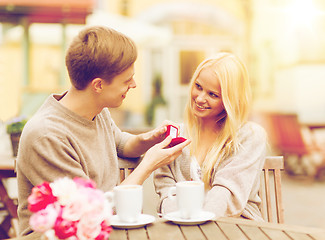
{"x":97,"y":84}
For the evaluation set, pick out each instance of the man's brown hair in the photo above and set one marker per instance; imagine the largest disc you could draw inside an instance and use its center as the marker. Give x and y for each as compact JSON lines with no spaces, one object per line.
{"x":101,"y":52}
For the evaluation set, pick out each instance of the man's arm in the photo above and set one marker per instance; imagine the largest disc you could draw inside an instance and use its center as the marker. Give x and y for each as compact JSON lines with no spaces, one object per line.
{"x":156,"y":157}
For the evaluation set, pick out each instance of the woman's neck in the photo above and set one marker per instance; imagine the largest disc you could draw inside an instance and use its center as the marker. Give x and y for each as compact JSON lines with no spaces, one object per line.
{"x":209,"y":127}
{"x":209,"y":132}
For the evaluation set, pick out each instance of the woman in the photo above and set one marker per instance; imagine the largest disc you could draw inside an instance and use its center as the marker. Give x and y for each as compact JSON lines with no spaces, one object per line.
{"x":227,"y":151}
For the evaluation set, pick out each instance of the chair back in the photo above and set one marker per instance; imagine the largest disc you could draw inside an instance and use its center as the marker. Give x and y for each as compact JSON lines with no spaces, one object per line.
{"x":126,"y":166}
{"x":270,"y":190}
{"x":285,"y":133}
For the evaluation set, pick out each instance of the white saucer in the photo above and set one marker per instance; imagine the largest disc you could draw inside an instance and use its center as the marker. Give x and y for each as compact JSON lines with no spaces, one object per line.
{"x":175,"y":218}
{"x":144,"y":219}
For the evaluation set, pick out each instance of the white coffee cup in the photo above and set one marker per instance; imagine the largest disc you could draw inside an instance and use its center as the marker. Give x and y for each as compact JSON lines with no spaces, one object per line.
{"x":127,"y":200}
{"x":189,"y":197}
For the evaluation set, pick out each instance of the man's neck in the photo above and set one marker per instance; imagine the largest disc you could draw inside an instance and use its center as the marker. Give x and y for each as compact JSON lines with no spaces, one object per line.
{"x":80,"y":102}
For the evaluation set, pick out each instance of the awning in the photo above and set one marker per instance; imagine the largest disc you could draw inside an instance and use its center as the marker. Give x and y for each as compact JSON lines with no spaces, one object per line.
{"x":46,"y":11}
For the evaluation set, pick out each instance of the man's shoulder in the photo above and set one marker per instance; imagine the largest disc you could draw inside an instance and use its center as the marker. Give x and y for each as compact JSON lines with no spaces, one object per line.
{"x":43,"y":124}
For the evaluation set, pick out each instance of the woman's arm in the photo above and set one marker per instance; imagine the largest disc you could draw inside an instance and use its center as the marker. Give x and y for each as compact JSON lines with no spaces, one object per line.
{"x":164,"y":179}
{"x":237,"y":178}
{"x":167,"y":176}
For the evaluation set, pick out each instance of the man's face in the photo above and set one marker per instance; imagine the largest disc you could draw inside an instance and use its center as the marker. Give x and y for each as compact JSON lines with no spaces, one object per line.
{"x":115,"y":92}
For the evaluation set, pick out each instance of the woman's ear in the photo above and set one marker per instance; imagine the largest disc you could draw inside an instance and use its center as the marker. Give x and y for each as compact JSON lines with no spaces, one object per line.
{"x":97,"y":85}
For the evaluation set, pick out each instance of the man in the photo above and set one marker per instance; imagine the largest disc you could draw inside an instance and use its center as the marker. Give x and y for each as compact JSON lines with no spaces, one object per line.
{"x":72,"y":134}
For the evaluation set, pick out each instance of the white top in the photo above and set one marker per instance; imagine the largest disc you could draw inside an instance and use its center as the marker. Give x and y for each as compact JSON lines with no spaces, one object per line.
{"x":196,"y":172}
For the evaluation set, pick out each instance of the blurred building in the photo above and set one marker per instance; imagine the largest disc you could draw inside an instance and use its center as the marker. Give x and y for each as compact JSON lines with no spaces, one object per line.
{"x":282,"y":43}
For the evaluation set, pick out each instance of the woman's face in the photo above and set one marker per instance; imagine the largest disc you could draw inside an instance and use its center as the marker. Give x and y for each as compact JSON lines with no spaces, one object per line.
{"x":206,"y":100}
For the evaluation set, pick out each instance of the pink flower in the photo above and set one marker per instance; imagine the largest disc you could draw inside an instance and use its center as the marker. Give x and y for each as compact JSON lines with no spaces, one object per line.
{"x":65,"y":189}
{"x":71,"y":210}
{"x":64,"y":228}
{"x":44,"y":219}
{"x":41,"y":197}
{"x":81,"y":182}
{"x":105,"y":232}
{"x":95,"y":199}
{"x":88,"y":229}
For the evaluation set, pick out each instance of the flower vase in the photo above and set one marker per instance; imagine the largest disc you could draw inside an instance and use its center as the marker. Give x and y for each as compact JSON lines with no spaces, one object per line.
{"x":15,"y":142}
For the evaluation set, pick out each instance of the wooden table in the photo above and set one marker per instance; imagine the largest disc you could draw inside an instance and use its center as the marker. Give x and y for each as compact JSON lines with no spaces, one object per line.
{"x":7,"y":170}
{"x":222,"y":229}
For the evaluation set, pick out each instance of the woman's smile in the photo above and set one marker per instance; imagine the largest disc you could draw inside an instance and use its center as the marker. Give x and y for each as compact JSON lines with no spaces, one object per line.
{"x":201,"y":107}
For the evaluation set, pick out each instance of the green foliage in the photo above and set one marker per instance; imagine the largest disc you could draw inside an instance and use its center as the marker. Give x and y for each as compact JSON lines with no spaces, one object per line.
{"x":150,"y":110}
{"x":16,"y":125}
{"x":157,"y":99}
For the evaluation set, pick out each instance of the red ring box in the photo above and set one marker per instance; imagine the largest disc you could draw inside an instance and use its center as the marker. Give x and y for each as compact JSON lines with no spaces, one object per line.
{"x":173,"y":131}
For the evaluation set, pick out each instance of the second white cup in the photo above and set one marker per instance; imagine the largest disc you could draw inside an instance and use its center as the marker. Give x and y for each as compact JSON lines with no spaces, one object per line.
{"x":127,"y":200}
{"x":190,"y":197}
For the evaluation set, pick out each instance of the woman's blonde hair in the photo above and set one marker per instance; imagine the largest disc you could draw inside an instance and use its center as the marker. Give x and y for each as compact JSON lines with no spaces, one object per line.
{"x":236,"y":96}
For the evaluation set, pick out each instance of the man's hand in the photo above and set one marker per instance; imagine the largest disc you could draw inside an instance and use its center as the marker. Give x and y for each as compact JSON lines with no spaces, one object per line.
{"x":158,"y":134}
{"x":160,"y":154}
{"x":141,"y":143}
{"x":157,"y":156}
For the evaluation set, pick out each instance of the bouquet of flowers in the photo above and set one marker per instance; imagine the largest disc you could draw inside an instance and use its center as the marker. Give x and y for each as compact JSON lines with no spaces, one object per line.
{"x":70,"y":209}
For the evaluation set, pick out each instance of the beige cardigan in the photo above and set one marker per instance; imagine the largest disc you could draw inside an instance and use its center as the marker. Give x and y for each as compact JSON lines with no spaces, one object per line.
{"x":57,"y":142}
{"x":235,"y":183}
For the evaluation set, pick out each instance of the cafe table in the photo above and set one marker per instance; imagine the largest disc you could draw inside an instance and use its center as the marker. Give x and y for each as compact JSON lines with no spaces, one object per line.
{"x":7,"y":170}
{"x":221,"y":229}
